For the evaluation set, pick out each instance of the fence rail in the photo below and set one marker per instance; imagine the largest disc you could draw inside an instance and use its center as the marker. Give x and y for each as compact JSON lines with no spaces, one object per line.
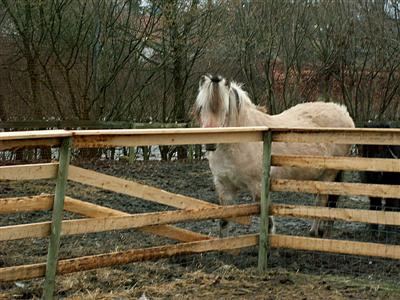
{"x":338,"y":163}
{"x":100,"y":218}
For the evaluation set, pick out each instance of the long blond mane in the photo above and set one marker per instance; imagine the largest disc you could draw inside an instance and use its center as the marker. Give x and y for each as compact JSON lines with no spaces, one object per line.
{"x":222,"y":101}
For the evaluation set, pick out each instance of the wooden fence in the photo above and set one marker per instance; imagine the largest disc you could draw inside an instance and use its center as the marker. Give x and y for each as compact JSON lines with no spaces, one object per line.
{"x":100,"y":218}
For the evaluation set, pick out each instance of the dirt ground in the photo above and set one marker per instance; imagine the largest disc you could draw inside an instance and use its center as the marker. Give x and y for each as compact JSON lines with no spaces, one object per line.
{"x":291,"y":274}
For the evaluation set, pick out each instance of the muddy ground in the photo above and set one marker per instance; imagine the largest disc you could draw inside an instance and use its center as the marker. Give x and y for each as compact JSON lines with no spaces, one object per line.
{"x":291,"y":275}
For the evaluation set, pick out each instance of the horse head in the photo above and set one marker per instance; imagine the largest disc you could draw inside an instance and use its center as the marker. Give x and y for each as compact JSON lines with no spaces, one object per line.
{"x":218,"y":102}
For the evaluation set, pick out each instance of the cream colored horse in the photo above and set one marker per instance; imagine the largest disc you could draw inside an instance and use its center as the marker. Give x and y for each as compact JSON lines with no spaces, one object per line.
{"x":236,"y":167}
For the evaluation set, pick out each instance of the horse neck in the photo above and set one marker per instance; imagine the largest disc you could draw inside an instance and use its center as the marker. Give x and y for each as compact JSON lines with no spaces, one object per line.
{"x":251,"y":116}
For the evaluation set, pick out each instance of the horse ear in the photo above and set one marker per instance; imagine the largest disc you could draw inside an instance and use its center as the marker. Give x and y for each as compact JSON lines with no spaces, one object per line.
{"x":237,"y":100}
{"x":227,"y":83}
{"x":202,"y":80}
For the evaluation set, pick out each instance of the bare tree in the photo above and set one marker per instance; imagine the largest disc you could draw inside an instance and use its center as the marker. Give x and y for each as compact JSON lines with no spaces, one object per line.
{"x":269,"y":38}
{"x":19,"y":25}
{"x":353,"y":45}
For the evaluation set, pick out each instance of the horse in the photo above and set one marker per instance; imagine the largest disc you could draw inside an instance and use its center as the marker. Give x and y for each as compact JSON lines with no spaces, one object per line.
{"x":238,"y":167}
{"x":380,"y":151}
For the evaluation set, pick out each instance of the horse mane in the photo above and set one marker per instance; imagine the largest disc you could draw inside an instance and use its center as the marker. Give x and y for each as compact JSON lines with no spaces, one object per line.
{"x":216,"y":95}
{"x":242,"y":96}
{"x":262,"y":108}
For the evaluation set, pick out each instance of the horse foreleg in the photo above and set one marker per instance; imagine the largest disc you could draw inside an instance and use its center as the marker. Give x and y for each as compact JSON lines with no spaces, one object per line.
{"x":317,"y":226}
{"x":225,"y":197}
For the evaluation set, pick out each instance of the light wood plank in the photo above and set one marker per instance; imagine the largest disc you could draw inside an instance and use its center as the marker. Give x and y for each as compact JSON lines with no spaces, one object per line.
{"x":29,"y":172}
{"x":336,"y":188}
{"x":118,"y":258}
{"x":23,"y":231}
{"x":171,"y":131}
{"x":335,"y":246}
{"x":134,"y":189}
{"x":80,"y":226}
{"x":35,"y":134}
{"x":24,"y":144}
{"x":368,"y":137}
{"x":26,"y":204}
{"x":344,"y":214}
{"x":96,"y":141}
{"x":96,"y":211}
{"x":134,"y":137}
{"x":337,"y":163}
{"x":91,"y":210}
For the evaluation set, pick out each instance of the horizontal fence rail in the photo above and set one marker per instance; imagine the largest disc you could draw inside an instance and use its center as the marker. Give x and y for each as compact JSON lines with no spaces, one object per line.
{"x":338,"y":163}
{"x":343,"y":214}
{"x":147,"y":137}
{"x":367,"y":136}
{"x":113,"y":138}
{"x":29,"y":172}
{"x":26,"y":204}
{"x":335,"y":188}
{"x":27,"y":139}
{"x":131,"y":137}
{"x":335,"y":246}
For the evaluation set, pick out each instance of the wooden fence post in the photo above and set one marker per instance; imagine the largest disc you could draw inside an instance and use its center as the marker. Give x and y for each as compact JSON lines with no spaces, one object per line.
{"x":264,"y":203}
{"x":58,"y":207}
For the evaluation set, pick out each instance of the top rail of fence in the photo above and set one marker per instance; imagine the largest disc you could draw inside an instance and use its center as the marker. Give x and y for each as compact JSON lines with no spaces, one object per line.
{"x":34,"y":134}
{"x":146,"y":137}
{"x":132,"y":137}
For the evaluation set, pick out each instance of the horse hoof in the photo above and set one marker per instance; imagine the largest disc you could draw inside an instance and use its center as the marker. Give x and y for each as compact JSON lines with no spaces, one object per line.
{"x":316,"y":233}
{"x":223,"y":228}
{"x":271,"y":225}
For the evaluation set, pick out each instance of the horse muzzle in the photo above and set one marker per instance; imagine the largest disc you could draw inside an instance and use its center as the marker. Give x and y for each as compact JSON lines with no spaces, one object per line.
{"x":211,"y":147}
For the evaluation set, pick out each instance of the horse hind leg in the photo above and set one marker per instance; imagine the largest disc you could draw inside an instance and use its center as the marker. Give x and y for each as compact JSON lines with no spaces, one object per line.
{"x":332,"y":203}
{"x":271,"y":221}
{"x":320,"y":227}
{"x":392,"y":204}
{"x":375,"y":203}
